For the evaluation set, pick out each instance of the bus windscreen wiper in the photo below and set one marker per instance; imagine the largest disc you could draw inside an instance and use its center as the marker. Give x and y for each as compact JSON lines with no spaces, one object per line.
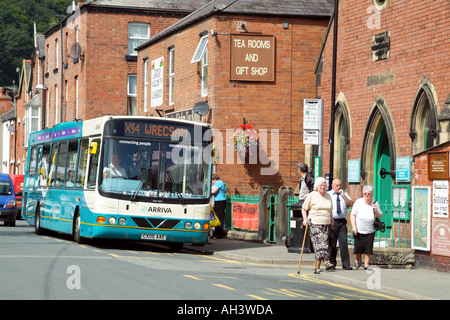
{"x":173,"y":183}
{"x":141,"y":183}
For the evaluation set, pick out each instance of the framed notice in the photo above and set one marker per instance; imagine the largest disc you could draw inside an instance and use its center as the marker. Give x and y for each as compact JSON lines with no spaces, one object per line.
{"x":438,"y":165}
{"x":420,"y":218}
{"x":441,"y":237}
{"x":354,"y":169}
{"x":440,"y":199}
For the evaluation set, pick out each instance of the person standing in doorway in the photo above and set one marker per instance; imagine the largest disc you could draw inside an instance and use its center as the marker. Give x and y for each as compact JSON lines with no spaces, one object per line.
{"x":306,"y":184}
{"x":220,"y":201}
{"x":341,"y":202}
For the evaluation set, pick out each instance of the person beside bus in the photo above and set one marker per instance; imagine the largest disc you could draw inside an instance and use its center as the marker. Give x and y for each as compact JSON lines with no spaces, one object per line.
{"x":220,"y":201}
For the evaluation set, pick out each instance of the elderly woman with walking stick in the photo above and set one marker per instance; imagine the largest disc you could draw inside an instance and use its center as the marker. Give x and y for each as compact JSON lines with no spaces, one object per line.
{"x":317,"y":213}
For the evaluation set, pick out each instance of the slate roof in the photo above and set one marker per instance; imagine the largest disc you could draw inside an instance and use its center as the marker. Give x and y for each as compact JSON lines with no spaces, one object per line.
{"x":164,"y":5}
{"x":288,"y":8}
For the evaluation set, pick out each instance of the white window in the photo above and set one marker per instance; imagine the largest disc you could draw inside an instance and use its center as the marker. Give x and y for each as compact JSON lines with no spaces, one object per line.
{"x":56,"y":104}
{"x":131,"y":93}
{"x":31,"y":121}
{"x":56,"y":54}
{"x":205,"y":74}
{"x":138,"y":33}
{"x":76,"y":97}
{"x":201,"y":48}
{"x":171,"y":74}
{"x":146,"y":85}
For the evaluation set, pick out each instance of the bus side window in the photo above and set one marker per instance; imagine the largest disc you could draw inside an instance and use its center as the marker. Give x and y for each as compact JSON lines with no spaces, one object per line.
{"x":32,"y":168}
{"x":82,"y":163}
{"x":71,"y":163}
{"x":61,"y":168}
{"x":93,"y":167}
{"x":53,"y":159}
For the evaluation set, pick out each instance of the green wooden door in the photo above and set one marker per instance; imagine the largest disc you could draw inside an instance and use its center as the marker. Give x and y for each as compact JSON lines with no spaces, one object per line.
{"x":383,"y":182}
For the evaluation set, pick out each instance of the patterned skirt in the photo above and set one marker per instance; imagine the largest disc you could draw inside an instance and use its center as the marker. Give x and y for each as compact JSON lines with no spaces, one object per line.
{"x":319,"y":237}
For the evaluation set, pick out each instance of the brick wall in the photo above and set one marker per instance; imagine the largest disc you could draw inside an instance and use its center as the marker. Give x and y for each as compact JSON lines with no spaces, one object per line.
{"x":418,"y":50}
{"x":267,"y":106}
{"x":103,"y":69}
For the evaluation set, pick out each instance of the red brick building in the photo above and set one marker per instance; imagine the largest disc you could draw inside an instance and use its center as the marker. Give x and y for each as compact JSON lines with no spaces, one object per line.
{"x":392,"y":83}
{"x":253,"y":63}
{"x":86,"y":66}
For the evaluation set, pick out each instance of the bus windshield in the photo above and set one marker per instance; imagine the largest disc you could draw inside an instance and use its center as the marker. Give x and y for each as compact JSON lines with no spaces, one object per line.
{"x":140,"y":169}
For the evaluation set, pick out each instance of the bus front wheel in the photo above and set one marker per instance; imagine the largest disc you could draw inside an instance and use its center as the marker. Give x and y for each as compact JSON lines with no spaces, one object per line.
{"x":37,"y":221}
{"x":77,"y":229}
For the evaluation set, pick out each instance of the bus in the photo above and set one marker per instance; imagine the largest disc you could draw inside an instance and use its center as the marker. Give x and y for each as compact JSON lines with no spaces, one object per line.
{"x":121,"y":177}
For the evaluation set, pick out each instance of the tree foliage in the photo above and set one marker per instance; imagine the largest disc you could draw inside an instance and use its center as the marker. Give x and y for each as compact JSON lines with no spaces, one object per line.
{"x":16,"y":31}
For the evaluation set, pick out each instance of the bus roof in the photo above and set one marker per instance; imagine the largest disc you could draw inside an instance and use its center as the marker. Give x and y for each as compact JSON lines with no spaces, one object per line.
{"x":63,"y":131}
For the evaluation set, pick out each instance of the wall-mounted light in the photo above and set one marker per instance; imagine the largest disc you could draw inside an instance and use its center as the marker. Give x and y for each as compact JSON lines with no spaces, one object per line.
{"x":42,"y":86}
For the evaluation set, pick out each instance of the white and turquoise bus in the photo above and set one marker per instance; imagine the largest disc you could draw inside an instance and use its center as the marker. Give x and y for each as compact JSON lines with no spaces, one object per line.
{"x":134,"y":178}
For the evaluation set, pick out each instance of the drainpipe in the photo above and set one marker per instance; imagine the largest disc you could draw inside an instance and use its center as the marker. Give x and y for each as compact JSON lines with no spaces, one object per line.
{"x":333,"y":92}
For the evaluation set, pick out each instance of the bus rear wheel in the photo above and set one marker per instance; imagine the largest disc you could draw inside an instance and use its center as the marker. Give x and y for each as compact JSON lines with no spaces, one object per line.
{"x":77,"y":229}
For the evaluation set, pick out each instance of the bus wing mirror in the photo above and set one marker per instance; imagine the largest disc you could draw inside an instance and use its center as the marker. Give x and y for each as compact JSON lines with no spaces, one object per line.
{"x":93,"y":148}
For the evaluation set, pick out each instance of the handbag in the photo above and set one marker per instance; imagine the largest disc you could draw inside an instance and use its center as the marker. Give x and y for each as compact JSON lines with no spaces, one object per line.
{"x":213,"y":220}
{"x":378,"y":224}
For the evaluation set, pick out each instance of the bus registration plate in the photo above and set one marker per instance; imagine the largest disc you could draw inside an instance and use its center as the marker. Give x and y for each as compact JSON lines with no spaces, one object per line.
{"x":153,"y":236}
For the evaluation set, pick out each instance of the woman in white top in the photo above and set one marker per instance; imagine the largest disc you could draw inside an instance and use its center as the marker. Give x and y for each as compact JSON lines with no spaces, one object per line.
{"x":363,"y":217}
{"x":317,"y":213}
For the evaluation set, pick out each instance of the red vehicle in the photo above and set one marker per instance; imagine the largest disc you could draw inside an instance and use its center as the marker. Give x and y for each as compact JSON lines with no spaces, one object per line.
{"x":17,"y":180}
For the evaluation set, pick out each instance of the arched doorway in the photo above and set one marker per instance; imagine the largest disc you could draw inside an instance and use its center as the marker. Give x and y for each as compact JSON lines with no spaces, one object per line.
{"x":378,"y":156}
{"x":342,"y":140}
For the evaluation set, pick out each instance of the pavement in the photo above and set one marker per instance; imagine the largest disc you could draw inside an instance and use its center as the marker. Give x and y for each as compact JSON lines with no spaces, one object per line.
{"x":412,"y":283}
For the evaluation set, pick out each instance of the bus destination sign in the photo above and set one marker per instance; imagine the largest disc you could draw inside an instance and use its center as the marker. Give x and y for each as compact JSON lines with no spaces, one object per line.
{"x":155,"y":130}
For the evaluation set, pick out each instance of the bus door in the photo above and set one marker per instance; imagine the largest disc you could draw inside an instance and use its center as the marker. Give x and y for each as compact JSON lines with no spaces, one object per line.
{"x":29,"y":190}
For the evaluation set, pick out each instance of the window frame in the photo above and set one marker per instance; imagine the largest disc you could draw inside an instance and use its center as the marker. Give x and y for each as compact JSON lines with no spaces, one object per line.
{"x":140,"y":40}
{"x":171,"y":75}
{"x":200,"y":50}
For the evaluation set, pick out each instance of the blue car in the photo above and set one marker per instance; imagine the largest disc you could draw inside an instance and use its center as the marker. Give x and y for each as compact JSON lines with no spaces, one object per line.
{"x":8,"y":206}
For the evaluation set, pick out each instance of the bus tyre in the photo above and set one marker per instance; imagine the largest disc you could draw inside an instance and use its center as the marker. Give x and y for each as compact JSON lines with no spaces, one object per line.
{"x":37,"y":221}
{"x":77,"y":230}
{"x":176,"y":246}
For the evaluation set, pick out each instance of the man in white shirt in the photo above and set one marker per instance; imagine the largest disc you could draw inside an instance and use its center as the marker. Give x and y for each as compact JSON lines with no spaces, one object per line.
{"x":341,"y":202}
{"x":114,"y":170}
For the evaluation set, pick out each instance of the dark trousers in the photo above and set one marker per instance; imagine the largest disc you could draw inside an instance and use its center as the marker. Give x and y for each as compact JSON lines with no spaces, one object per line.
{"x":339,"y":233}
{"x":219,"y":209}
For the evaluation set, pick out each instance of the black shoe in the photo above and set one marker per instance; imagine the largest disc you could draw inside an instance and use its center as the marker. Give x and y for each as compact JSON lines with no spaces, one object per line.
{"x":347,"y":268}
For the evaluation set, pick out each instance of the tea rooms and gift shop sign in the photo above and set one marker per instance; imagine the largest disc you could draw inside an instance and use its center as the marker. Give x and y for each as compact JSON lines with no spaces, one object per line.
{"x":252,"y":57}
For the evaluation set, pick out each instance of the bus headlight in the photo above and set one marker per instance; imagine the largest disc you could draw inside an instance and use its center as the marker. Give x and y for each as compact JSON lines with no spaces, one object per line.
{"x":197,"y":226}
{"x":122,"y":221}
{"x":188,"y":225}
{"x":112,"y":220}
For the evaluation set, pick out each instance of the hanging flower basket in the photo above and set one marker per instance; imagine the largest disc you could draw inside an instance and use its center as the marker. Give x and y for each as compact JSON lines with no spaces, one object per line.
{"x":246,"y":140}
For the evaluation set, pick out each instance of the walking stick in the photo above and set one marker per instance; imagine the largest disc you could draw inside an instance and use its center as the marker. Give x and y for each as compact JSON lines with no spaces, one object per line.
{"x":303,"y":247}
